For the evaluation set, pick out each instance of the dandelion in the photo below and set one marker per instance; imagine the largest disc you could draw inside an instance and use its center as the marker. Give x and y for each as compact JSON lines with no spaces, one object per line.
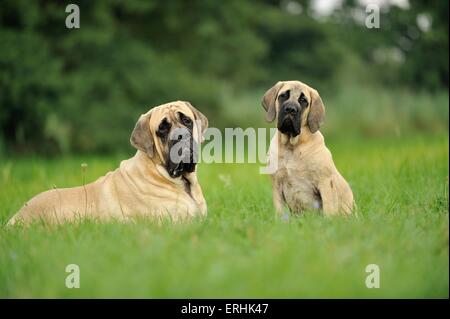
{"x":226,"y":180}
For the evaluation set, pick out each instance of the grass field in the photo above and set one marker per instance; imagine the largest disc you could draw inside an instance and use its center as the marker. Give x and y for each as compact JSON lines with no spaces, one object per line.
{"x":241,"y":249}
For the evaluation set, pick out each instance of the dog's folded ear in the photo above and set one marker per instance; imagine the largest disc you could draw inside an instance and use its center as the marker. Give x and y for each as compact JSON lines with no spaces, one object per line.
{"x":199,"y":116}
{"x":316,"y":114}
{"x":268,"y":101}
{"x":141,"y":138}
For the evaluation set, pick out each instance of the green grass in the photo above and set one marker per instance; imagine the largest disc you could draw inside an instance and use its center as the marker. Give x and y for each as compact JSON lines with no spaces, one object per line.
{"x":241,"y":249}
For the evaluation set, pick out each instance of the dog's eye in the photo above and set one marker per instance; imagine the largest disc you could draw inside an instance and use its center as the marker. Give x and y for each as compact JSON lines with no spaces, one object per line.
{"x":185,"y":120}
{"x":302,"y":100}
{"x":164,"y":126}
{"x":284,"y":95}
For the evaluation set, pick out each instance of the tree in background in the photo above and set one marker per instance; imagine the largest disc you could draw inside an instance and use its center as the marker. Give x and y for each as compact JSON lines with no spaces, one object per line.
{"x":82,"y":89}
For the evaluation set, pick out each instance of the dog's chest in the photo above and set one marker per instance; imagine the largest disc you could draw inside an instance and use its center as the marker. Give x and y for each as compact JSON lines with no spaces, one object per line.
{"x":129,"y":195}
{"x":295,"y":183}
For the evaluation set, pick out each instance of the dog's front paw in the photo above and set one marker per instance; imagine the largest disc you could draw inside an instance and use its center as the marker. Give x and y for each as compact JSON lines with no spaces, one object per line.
{"x":285,"y":216}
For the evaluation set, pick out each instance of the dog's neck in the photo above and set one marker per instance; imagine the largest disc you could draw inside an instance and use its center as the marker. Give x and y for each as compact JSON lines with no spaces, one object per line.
{"x":303,"y":138}
{"x":155,"y":165}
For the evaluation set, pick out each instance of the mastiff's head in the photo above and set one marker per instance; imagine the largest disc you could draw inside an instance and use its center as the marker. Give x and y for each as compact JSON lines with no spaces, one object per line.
{"x":296,"y":105}
{"x":170,"y":134}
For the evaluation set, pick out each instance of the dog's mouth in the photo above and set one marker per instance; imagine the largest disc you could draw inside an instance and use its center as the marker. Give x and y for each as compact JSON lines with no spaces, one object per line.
{"x":177,"y":170}
{"x":183,"y":161}
{"x":289,"y":125}
{"x":183,"y":154}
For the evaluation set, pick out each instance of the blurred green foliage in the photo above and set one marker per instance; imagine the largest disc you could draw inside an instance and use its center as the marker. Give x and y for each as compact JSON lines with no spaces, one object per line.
{"x":81,"y":90}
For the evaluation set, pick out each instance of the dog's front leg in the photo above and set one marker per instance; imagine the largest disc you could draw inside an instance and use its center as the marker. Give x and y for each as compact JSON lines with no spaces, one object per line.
{"x":197,"y":193}
{"x":277,"y":199}
{"x":201,"y":200}
{"x":330,"y":200}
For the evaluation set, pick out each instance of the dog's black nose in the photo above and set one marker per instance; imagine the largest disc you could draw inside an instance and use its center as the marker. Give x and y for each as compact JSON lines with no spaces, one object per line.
{"x":290,"y":109}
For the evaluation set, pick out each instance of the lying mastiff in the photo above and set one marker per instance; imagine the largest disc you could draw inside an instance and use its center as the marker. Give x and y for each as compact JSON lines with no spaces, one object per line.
{"x":160,"y":181}
{"x":305,"y":177}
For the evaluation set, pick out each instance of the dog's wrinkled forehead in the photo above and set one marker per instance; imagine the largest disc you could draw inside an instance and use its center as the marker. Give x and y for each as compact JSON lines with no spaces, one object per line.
{"x":170,"y":112}
{"x":295,"y":88}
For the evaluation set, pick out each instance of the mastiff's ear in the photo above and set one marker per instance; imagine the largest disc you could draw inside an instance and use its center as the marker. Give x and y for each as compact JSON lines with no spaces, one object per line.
{"x":141,"y":138}
{"x":316,"y":114}
{"x":199,"y":116}
{"x":268,"y":102}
